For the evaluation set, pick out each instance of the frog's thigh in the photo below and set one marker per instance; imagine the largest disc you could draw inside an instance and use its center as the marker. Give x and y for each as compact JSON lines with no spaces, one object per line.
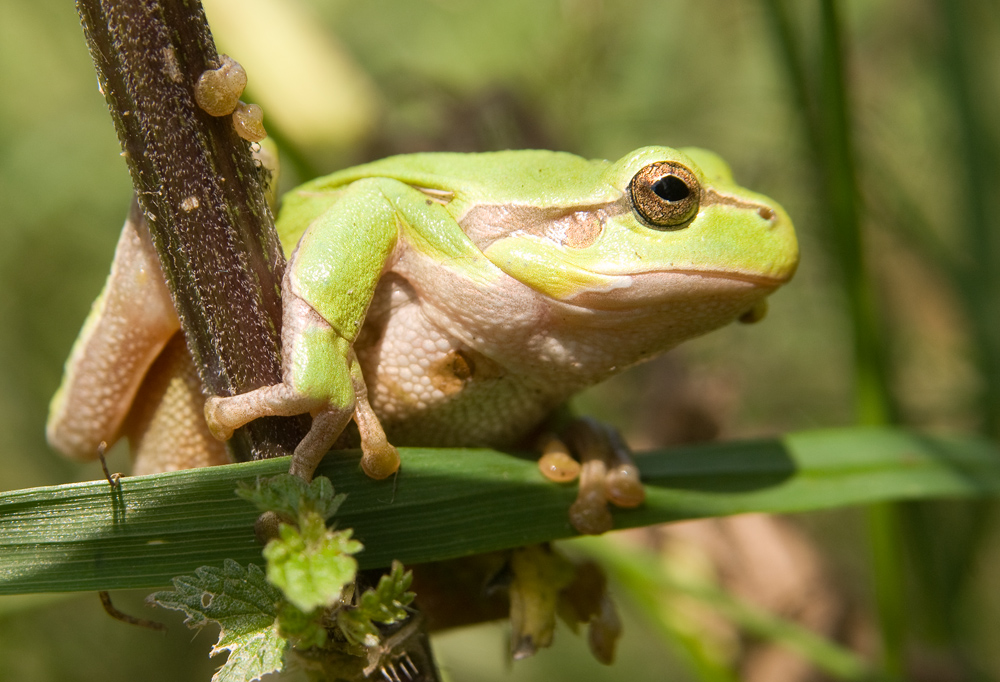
{"x":166,"y":428}
{"x":128,"y":326}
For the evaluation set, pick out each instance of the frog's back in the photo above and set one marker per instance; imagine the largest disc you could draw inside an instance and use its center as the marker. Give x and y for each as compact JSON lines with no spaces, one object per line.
{"x":459,"y":180}
{"x":531,"y":174}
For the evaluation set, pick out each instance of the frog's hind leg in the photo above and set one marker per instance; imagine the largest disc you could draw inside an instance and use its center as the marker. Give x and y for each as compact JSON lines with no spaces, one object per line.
{"x":331,"y":403}
{"x":381,"y":458}
{"x":128,"y":327}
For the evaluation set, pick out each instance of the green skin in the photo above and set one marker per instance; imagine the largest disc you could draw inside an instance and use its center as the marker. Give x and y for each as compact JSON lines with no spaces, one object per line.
{"x":422,"y":216}
{"x":448,"y":300}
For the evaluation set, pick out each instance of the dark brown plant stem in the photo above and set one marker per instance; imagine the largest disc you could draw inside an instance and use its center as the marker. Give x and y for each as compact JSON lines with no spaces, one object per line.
{"x":202,"y":196}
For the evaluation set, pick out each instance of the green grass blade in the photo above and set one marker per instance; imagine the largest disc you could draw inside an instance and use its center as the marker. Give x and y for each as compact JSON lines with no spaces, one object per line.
{"x":450,"y":503}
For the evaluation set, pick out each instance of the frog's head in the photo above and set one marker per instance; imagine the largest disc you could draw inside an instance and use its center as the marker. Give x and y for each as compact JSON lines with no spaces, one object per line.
{"x":661,"y":230}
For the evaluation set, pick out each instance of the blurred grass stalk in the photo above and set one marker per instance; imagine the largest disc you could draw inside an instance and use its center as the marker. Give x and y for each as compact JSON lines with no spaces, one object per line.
{"x":943,"y":538}
{"x":823,"y":104}
{"x":642,"y":573}
{"x":946,"y":538}
{"x":980,"y":285}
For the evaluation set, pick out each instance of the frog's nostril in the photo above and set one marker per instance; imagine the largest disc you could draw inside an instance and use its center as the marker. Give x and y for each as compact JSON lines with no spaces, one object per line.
{"x":766,"y":212}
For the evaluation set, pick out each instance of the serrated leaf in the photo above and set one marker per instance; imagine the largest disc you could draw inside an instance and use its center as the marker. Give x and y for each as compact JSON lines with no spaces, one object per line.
{"x":253,"y":656}
{"x":357,"y":627}
{"x":290,"y":496}
{"x":311,"y":564}
{"x":388,"y":601}
{"x":244,"y":605}
{"x":386,"y":604}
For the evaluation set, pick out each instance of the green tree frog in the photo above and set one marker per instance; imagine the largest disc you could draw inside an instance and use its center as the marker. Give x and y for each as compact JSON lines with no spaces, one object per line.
{"x":441,"y":299}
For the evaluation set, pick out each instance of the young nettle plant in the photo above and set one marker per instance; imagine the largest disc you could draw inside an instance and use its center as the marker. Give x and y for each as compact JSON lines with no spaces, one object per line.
{"x":305,"y":608}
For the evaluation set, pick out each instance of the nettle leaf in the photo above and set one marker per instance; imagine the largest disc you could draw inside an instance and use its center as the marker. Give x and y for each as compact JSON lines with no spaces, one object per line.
{"x":289,"y":496}
{"x":388,"y":601}
{"x":244,"y":605}
{"x":311,"y":564}
{"x":357,"y":628}
{"x":385,"y":604}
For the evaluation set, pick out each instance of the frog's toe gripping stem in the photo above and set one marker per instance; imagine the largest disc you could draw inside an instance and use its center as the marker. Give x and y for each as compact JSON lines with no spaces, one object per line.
{"x":380,"y":460}
{"x":326,"y":426}
{"x":216,"y":425}
{"x":607,"y":474}
{"x":226,"y":414}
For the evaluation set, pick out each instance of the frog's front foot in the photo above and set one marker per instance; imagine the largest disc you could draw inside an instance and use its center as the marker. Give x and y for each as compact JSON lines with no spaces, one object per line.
{"x":605,"y":470}
{"x":225,"y":414}
{"x":380,"y":459}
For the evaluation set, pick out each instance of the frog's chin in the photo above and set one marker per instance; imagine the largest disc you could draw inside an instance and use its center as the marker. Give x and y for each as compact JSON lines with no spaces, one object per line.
{"x":679,"y":287}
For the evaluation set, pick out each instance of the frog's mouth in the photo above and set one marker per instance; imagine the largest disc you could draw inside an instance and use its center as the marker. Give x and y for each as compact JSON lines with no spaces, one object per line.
{"x":760,"y":280}
{"x":672,"y":288}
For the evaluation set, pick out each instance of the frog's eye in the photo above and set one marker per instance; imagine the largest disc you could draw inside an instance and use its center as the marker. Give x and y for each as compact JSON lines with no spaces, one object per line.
{"x":665,"y":194}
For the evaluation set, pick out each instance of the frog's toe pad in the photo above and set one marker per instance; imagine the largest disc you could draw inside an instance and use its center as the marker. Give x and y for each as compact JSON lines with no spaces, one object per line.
{"x":523,"y":648}
{"x":559,"y":467}
{"x":607,"y":474}
{"x":589,"y":515}
{"x":623,"y":487}
{"x":213,"y":418}
{"x":381,"y":462}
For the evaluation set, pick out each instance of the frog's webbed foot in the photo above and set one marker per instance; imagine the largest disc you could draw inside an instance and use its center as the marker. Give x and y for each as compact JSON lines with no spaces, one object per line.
{"x":538,"y":575}
{"x":606,"y":472}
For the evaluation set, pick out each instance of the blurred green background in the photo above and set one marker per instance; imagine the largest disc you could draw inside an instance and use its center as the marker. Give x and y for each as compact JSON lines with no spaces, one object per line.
{"x":343,"y":82}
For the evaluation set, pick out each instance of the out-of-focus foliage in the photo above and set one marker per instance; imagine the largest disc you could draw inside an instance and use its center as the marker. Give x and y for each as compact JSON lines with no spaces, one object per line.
{"x":595,"y":77}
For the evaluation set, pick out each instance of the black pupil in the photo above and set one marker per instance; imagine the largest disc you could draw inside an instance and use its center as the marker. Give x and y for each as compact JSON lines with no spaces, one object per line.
{"x":671,"y":188}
